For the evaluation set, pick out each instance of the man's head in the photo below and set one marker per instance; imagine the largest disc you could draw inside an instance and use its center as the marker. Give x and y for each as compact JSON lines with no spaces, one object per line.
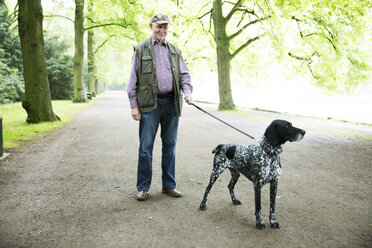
{"x":159,"y":27}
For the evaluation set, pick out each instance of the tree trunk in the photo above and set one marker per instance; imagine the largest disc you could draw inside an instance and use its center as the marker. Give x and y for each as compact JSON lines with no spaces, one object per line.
{"x":91,"y":63}
{"x":79,"y":87}
{"x":224,"y":86}
{"x":37,"y":100}
{"x":223,"y":57}
{"x":100,"y":86}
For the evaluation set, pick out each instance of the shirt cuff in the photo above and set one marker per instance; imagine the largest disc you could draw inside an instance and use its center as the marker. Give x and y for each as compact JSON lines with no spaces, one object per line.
{"x":187,"y":88}
{"x":133,"y":103}
{"x":187,"y":92}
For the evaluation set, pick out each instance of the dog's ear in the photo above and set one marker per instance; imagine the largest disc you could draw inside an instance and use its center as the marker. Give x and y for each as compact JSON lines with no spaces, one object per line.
{"x":272,"y":135}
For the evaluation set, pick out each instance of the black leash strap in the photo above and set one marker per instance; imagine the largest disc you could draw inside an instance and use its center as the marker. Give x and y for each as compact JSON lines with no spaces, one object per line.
{"x":223,"y":121}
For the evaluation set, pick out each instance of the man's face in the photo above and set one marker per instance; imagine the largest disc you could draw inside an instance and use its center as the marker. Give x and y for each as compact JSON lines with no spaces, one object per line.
{"x":159,"y":31}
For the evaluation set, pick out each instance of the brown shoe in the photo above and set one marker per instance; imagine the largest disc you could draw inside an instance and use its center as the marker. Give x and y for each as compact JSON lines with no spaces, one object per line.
{"x":142,"y":195}
{"x":172,"y":192}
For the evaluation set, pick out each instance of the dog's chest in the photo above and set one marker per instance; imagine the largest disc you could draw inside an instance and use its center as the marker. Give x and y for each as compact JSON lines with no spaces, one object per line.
{"x":257,"y":165}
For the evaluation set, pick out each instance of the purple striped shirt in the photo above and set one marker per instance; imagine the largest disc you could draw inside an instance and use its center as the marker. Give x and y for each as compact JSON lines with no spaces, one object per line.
{"x":164,"y":73}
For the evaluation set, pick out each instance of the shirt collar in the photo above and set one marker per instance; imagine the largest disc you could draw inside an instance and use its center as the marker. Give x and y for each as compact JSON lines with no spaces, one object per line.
{"x":153,"y":41}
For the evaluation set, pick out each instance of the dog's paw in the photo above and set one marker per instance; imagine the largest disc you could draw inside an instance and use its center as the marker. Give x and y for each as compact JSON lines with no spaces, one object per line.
{"x":260,"y":225}
{"x":274,"y":224}
{"x":237,"y":202}
{"x":203,"y":206}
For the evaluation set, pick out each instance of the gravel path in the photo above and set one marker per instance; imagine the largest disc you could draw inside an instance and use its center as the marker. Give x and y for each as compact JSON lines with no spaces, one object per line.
{"x":75,"y":187}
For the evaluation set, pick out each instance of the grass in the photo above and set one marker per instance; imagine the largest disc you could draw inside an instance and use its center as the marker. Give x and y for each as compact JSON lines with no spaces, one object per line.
{"x":16,"y":130}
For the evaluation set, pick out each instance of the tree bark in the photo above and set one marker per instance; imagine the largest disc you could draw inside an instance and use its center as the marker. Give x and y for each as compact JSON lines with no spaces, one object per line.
{"x":91,"y":63}
{"x":223,"y":57}
{"x":37,"y":100}
{"x":79,"y":87}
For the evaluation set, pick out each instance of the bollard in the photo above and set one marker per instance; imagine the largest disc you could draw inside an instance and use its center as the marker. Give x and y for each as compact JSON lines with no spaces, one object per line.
{"x":1,"y":136}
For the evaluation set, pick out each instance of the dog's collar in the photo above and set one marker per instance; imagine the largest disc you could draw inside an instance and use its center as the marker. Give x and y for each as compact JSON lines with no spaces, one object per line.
{"x":269,"y":149}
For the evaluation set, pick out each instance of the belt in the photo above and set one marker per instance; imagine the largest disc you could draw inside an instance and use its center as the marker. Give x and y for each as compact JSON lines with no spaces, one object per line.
{"x":166,"y":95}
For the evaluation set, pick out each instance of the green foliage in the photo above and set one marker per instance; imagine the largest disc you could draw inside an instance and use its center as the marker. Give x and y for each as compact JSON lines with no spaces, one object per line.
{"x":11,"y":81}
{"x":330,"y":40}
{"x":60,"y":69}
{"x":10,"y":43}
{"x":122,"y":19}
{"x":11,"y":84}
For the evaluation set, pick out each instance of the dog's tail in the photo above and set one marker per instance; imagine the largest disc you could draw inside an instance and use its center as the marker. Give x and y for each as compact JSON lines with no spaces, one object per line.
{"x":217,"y":149}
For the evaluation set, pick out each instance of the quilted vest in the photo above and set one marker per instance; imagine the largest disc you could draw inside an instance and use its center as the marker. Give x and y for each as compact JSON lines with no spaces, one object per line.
{"x":147,"y":85}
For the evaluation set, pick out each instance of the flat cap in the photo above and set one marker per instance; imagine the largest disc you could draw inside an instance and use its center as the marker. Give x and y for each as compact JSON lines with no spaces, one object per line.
{"x":160,"y":19}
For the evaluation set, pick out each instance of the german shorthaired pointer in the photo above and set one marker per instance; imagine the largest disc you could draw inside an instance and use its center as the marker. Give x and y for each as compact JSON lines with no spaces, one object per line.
{"x":259,"y":163}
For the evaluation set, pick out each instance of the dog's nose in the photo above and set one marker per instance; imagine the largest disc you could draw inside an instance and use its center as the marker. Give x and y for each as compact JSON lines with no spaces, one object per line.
{"x":303,"y":132}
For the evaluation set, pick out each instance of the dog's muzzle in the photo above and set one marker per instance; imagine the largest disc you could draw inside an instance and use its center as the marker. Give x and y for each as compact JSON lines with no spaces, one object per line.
{"x":299,"y":136}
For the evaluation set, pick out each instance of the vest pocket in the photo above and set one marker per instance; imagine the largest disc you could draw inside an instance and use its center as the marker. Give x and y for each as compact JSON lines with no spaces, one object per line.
{"x":146,"y":64}
{"x":145,"y":96}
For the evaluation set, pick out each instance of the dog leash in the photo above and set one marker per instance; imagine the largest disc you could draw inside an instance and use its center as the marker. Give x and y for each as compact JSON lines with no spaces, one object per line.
{"x":223,"y":121}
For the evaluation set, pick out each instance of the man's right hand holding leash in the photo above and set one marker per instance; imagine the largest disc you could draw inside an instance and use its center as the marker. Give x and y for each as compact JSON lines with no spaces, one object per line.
{"x":188,"y":99}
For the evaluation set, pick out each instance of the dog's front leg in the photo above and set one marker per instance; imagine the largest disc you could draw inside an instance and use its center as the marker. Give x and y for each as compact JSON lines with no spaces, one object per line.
{"x":273,"y":190}
{"x":260,"y":224}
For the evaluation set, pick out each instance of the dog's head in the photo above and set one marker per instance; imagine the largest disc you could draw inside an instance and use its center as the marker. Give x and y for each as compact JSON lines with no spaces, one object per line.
{"x":281,"y":131}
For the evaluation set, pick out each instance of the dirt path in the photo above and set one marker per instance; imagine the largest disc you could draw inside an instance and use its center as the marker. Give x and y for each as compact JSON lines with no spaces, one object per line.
{"x":75,"y":186}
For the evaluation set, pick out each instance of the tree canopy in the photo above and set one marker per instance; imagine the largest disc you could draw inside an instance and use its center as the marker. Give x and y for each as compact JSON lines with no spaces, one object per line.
{"x":326,"y":43}
{"x":330,"y":42}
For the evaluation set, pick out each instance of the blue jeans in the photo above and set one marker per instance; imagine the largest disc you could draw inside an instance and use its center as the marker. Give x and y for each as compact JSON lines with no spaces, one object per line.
{"x":166,"y":116}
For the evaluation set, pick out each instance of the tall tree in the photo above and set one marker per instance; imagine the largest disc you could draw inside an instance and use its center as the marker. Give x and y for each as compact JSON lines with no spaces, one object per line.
{"x":79,"y":87}
{"x":223,"y":41}
{"x":37,"y":100}
{"x":91,"y":64}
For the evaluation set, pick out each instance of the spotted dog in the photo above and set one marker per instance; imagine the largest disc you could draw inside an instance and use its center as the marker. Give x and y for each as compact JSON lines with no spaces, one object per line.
{"x":259,"y":163}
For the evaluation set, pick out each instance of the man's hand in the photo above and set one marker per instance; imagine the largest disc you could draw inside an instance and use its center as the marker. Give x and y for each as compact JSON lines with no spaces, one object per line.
{"x":188,"y":99}
{"x":136,"y":114}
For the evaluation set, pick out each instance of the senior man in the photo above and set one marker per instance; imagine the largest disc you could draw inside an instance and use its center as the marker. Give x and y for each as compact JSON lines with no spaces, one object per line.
{"x":158,"y":77}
